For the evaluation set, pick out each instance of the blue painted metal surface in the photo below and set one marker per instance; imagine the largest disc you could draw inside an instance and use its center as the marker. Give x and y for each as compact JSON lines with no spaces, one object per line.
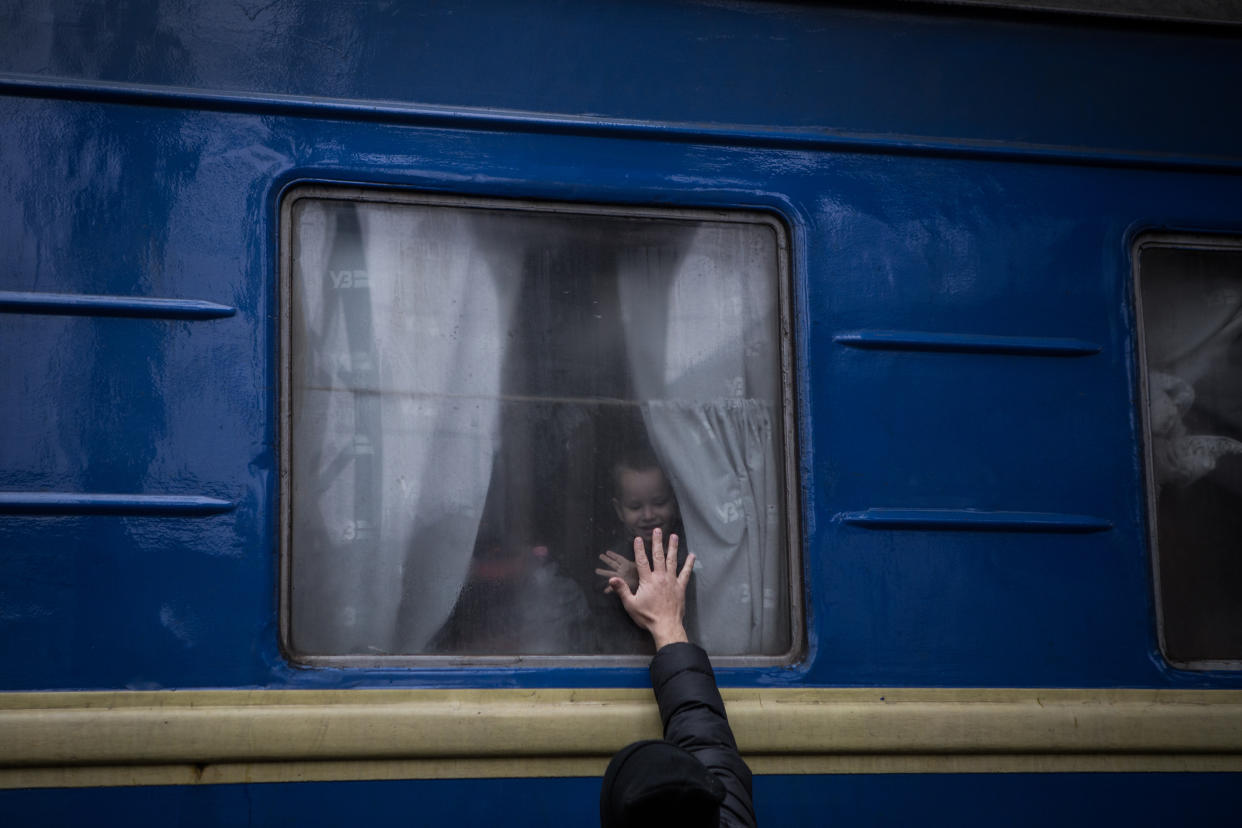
{"x":985,"y":245}
{"x":969,"y":800}
{"x":876,"y":72}
{"x":494,"y":118}
{"x":78,"y":503}
{"x":938,"y":173}
{"x":132,"y":196}
{"x":973,"y":520}
{"x":967,"y":343}
{"x":142,"y":307}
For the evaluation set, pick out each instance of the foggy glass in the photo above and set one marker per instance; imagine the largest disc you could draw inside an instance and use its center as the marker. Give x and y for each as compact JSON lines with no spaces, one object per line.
{"x":462,"y":381}
{"x":1192,"y":322}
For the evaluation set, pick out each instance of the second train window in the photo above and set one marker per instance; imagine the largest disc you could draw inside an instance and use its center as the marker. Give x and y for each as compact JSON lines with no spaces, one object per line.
{"x":1190,"y":289}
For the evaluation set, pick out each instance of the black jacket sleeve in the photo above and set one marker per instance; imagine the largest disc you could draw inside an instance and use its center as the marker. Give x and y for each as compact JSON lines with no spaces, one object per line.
{"x":694,"y":719}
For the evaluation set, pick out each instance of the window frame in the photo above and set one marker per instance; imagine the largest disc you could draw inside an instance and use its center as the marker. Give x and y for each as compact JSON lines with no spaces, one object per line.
{"x":1180,"y":241}
{"x":359,"y":192}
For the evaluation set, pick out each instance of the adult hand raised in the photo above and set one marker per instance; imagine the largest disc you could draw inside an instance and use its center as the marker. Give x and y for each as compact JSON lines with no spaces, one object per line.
{"x":659,"y":603}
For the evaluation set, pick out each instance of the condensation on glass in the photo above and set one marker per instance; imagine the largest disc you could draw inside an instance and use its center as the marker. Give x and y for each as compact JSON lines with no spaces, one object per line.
{"x":1190,"y":311}
{"x":483,"y":397}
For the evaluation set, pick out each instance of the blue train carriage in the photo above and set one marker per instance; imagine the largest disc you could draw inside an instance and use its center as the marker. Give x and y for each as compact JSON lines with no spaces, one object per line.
{"x":338,"y":342}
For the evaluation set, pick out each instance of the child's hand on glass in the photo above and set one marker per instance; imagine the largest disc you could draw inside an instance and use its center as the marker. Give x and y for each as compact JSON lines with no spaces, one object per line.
{"x":616,"y":566}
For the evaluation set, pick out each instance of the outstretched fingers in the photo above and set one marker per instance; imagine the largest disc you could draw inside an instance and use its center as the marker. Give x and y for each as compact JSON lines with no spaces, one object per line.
{"x":683,"y":577}
{"x":657,"y":551}
{"x":670,"y":563}
{"x":658,"y":605}
{"x":640,"y":558}
{"x":610,"y":557}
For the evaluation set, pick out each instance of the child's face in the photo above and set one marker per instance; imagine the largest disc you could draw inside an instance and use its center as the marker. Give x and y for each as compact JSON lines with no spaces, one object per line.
{"x":644,"y":502}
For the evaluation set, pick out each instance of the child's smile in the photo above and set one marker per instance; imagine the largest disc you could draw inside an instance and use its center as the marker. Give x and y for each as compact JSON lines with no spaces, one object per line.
{"x":644,"y":502}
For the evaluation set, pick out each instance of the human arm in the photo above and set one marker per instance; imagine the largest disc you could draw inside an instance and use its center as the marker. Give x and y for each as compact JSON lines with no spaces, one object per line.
{"x":694,"y":719}
{"x":681,"y":675}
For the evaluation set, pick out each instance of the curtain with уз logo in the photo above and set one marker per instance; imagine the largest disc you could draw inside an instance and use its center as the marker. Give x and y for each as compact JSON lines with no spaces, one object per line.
{"x":403,"y":323}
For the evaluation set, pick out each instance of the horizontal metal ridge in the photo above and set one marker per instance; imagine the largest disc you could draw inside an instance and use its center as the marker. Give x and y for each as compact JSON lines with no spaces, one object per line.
{"x":75,"y":503}
{"x":967,"y":343}
{"x":81,"y":304}
{"x":430,"y":115}
{"x":974,"y":520}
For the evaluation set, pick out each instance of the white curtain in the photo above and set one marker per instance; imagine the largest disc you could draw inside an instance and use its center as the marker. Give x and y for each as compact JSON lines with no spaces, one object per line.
{"x":401,"y":316}
{"x":398,"y":344}
{"x":702,"y":352}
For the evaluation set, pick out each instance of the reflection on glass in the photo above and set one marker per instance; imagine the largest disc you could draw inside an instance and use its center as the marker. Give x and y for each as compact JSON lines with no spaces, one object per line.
{"x":484,"y":400}
{"x":1192,"y":320}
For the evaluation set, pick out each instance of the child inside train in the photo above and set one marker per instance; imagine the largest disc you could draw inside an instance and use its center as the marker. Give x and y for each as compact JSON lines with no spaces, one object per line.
{"x":643,"y":500}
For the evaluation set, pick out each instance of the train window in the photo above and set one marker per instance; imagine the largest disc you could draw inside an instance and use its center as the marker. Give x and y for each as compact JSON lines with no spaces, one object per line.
{"x":1190,"y":294}
{"x":483,"y":397}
